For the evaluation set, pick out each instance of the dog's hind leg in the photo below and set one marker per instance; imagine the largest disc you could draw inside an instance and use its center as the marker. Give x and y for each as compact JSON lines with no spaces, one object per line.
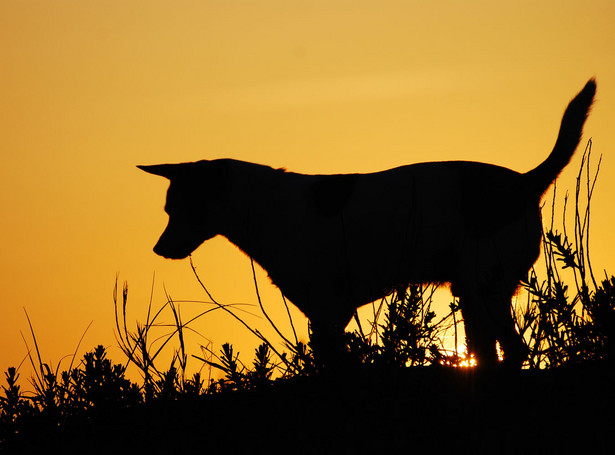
{"x":511,"y":342}
{"x":480,"y":337}
{"x":487,"y":316}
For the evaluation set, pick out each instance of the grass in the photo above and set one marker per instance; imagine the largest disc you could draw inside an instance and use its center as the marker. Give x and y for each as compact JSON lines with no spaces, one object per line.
{"x":564,"y":323}
{"x":567,"y":319}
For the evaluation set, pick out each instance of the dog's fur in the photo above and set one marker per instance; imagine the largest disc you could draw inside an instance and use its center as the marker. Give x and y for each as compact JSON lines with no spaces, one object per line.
{"x":332,"y":243}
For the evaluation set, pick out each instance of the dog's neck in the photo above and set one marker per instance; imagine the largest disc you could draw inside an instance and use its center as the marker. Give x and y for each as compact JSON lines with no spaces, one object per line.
{"x":254,"y":206}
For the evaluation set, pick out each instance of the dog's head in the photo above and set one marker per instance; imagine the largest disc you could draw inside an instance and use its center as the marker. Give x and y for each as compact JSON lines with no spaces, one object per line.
{"x":195,"y":205}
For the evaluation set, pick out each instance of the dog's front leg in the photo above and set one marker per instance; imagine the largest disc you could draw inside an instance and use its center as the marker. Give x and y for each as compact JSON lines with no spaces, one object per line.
{"x":327,"y":338}
{"x":327,"y":343}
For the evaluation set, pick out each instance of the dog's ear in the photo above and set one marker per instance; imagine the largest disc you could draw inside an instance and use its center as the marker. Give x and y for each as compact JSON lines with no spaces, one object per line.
{"x":164,"y":170}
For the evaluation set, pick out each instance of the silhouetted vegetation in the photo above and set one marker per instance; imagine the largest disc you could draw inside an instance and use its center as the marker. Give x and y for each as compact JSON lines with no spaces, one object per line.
{"x":569,"y":323}
{"x":566,"y":318}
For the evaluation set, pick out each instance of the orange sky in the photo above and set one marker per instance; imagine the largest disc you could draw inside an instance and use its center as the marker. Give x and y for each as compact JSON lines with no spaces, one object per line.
{"x":90,"y":89}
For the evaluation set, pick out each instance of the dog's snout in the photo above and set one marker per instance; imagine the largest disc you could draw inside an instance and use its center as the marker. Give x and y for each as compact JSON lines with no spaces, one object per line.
{"x":169,"y":253}
{"x":170,"y":248}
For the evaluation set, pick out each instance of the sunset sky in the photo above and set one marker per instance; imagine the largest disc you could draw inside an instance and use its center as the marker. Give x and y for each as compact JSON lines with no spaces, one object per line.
{"x":90,"y":89}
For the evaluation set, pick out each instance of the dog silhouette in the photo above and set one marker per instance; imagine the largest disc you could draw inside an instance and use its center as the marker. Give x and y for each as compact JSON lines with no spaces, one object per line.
{"x":333,"y":243}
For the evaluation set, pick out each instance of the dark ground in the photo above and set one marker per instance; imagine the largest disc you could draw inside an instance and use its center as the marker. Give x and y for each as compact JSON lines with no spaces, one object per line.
{"x":417,"y":410}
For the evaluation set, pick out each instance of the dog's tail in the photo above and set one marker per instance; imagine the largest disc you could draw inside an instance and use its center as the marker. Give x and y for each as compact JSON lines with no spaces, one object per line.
{"x":571,"y":129}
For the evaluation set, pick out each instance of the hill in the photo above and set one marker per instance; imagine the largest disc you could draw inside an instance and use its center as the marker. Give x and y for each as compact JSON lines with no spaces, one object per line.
{"x":427,"y":409}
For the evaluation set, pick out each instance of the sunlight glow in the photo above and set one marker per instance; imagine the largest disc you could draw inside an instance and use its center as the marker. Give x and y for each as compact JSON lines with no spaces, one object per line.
{"x":468,"y":362}
{"x":459,"y":360}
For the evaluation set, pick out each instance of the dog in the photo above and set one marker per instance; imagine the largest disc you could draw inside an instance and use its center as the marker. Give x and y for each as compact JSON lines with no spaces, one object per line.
{"x":333,"y":243}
